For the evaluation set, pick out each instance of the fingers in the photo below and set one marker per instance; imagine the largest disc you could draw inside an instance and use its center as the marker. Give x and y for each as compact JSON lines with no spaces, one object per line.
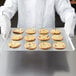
{"x":5,"y":33}
{"x":69,"y":33}
{"x":3,"y":36}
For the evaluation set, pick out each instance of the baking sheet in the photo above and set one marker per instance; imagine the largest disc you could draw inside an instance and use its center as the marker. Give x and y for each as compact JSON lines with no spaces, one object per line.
{"x":66,"y":40}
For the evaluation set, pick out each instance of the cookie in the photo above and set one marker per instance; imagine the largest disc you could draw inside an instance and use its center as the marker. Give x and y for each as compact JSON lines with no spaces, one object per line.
{"x":30,"y":38}
{"x":18,"y":31}
{"x":17,"y":37}
{"x":44,"y":37}
{"x":30,"y":45}
{"x":45,"y":45}
{"x":14,"y":44}
{"x":55,"y":31}
{"x":59,"y":45}
{"x":30,"y":31}
{"x":57,"y":37}
{"x":43,"y":31}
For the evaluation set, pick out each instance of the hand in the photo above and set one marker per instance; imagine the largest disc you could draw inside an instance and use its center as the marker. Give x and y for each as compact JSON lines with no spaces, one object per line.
{"x":70,"y":26}
{"x":5,"y":32}
{"x":70,"y":30}
{"x":5,"y":26}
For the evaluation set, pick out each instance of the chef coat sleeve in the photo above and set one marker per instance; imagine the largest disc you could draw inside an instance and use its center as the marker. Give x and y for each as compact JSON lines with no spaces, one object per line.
{"x":9,"y":8}
{"x":64,"y":9}
{"x":67,"y":14}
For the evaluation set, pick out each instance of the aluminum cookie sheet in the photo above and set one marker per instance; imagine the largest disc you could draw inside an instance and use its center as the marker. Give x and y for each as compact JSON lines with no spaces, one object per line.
{"x":66,"y":40}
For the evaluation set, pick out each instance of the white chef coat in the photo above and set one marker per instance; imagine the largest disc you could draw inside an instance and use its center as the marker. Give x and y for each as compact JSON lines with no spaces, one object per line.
{"x":38,"y":13}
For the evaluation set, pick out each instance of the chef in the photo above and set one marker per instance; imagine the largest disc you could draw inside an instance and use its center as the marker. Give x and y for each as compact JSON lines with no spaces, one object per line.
{"x":37,"y":13}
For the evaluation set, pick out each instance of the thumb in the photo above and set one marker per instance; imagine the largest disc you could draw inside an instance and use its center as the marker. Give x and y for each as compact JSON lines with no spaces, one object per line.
{"x":3,"y":36}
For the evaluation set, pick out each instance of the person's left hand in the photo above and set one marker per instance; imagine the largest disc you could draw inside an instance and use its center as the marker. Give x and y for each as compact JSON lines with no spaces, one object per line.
{"x":70,"y":27}
{"x":70,"y":30}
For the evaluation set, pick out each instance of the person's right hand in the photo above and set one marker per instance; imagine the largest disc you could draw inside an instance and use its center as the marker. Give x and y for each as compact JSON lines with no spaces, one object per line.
{"x":5,"y":25}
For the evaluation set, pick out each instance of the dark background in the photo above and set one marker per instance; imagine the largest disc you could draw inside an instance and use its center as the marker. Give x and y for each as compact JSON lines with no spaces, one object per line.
{"x":15,"y":18}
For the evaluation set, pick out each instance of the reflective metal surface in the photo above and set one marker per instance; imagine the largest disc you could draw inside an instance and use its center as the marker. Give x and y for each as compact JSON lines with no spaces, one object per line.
{"x":33,"y":63}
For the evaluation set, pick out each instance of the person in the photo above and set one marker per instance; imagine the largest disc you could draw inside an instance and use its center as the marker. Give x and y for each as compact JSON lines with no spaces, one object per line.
{"x":37,"y":13}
